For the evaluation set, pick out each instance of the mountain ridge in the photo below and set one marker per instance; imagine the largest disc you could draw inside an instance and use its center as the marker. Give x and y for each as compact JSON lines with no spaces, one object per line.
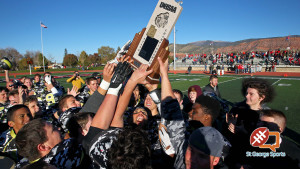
{"x":253,"y":44}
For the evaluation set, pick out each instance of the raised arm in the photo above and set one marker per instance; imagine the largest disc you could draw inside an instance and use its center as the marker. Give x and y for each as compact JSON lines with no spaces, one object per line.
{"x":138,"y":77}
{"x":96,"y":99}
{"x":172,"y":127}
{"x":106,"y":111}
{"x":6,"y":77}
{"x":165,"y":82}
{"x":70,"y":79}
{"x":108,"y":72}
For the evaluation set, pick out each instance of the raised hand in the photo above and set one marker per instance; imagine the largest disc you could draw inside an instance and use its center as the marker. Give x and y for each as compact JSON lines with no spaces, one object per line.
{"x":108,"y":71}
{"x":139,"y":75}
{"x":163,"y":67}
{"x":74,"y":91}
{"x":122,"y":70}
{"x":48,"y":79}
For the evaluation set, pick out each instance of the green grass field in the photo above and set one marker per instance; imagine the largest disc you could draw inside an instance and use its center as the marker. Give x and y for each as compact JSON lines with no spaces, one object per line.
{"x":286,"y":100}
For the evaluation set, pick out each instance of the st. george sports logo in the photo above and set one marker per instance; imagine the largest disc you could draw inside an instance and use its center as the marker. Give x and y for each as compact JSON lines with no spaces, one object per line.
{"x":261,"y":135}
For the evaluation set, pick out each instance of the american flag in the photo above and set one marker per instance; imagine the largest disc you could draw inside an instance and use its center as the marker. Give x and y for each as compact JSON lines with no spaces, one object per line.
{"x":42,"y":25}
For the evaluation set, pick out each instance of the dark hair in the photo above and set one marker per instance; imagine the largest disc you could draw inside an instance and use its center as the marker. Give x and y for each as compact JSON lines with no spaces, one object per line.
{"x":130,"y":150}
{"x":89,"y":79}
{"x":209,"y":106}
{"x":11,"y":111}
{"x":63,"y":101}
{"x":29,"y":137}
{"x":30,"y":99}
{"x":279,"y":116}
{"x":142,"y":90}
{"x":179,"y":92}
{"x":263,"y":87}
{"x":48,"y":73}
{"x":24,"y":77}
{"x":213,"y":77}
{"x":3,"y":88}
{"x":77,"y":122}
{"x":13,"y":92}
{"x":37,"y":75}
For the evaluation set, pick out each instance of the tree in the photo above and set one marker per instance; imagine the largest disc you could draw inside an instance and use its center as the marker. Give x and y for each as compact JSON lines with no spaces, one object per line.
{"x":23,"y":64}
{"x":70,"y":60}
{"x":33,"y":55}
{"x":106,"y":53}
{"x":66,"y":52}
{"x":83,"y":57}
{"x":40,"y":60}
{"x":95,"y":58}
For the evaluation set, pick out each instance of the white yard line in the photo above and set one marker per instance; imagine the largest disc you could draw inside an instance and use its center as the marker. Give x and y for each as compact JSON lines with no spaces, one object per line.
{"x":276,"y":82}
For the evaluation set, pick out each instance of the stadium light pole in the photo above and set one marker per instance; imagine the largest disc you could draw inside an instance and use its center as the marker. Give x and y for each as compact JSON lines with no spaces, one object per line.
{"x":174,"y":66}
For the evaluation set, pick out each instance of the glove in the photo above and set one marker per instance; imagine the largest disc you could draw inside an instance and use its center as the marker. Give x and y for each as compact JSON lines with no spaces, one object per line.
{"x":122,"y":52}
{"x":48,"y":79}
{"x":122,"y":70}
{"x":165,"y":140}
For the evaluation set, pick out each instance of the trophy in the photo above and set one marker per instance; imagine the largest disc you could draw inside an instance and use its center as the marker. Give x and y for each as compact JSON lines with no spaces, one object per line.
{"x":152,"y":41}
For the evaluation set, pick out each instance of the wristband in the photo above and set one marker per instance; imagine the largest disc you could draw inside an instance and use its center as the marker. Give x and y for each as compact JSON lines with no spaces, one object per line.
{"x":104,"y":85}
{"x":54,"y":90}
{"x":114,"y":91}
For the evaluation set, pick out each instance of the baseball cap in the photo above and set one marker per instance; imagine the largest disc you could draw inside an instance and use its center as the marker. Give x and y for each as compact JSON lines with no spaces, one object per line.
{"x":208,"y":140}
{"x":96,"y":74}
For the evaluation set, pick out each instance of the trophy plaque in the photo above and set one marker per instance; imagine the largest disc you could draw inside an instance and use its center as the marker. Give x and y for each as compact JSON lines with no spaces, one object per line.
{"x":152,"y":41}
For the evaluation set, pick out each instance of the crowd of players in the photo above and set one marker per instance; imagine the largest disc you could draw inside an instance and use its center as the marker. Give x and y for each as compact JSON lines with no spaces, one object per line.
{"x":120,"y":120}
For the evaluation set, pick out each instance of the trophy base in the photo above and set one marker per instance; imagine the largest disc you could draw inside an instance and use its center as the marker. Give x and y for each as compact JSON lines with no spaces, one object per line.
{"x":162,"y":52}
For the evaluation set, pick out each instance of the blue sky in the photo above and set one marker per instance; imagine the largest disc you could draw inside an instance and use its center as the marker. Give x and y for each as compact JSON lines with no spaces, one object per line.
{"x":87,"y":25}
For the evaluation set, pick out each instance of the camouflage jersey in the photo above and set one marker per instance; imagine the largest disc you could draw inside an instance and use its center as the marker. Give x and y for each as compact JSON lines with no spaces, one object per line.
{"x":66,"y":155}
{"x":66,"y":115}
{"x":96,"y":144}
{"x":175,"y":125}
{"x":8,"y":145}
{"x":3,"y":113}
{"x":84,"y":95}
{"x":46,"y":99}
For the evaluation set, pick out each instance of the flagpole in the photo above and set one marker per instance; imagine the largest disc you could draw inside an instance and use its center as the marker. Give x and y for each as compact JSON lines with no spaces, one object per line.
{"x":42,"y":45}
